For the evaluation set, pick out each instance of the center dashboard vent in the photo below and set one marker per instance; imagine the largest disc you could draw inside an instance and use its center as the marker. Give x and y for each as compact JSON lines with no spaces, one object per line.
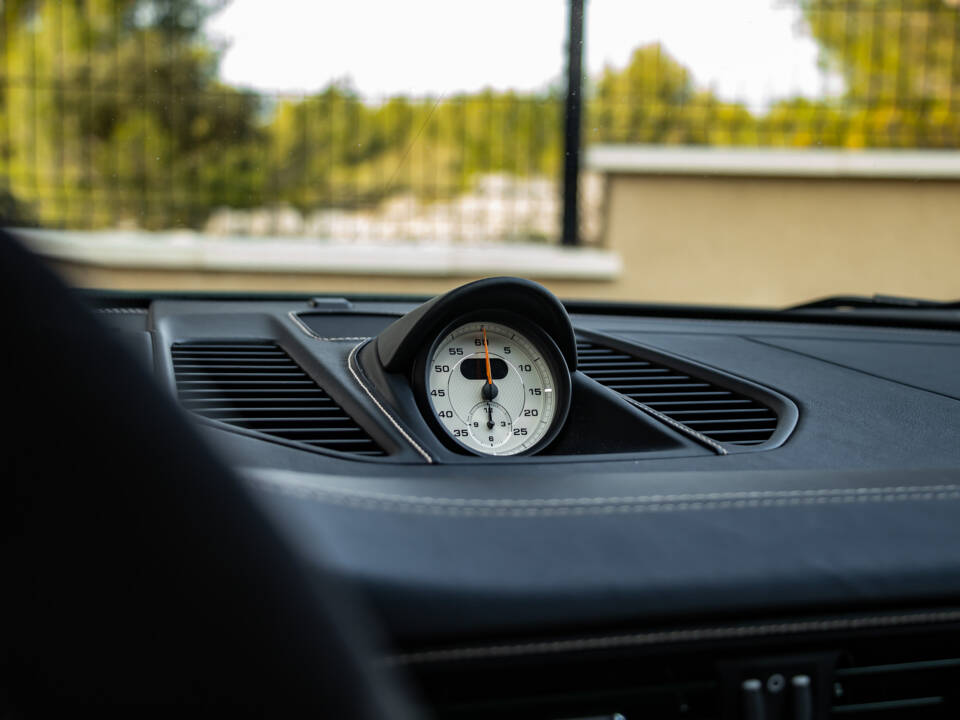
{"x":257,"y":386}
{"x":870,"y":673}
{"x":691,"y":688}
{"x":721,"y":414}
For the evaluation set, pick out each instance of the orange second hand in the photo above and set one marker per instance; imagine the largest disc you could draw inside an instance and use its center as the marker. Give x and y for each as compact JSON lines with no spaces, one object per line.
{"x":486,"y":351}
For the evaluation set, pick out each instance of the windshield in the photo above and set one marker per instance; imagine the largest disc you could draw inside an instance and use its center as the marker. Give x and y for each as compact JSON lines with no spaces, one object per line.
{"x":763,"y":152}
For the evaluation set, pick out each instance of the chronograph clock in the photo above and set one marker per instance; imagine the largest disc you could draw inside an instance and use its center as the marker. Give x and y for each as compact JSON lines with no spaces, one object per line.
{"x":488,"y":366}
{"x":495,"y":387}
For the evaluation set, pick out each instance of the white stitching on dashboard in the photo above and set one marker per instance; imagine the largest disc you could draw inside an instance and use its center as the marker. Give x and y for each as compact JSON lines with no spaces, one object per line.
{"x":672,"y":636}
{"x":351,"y":361}
{"x":303,"y":326}
{"x":122,"y":311}
{"x":696,"y":502}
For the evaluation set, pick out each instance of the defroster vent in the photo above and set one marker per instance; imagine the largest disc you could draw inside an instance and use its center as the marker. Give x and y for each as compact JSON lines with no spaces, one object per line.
{"x":256,"y":385}
{"x":717,"y":412}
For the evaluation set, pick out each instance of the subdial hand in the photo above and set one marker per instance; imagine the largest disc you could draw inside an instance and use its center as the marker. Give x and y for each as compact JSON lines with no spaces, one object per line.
{"x":490,"y":422}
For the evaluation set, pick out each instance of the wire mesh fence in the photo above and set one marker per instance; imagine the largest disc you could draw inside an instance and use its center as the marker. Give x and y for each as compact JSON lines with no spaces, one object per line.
{"x":112,"y":115}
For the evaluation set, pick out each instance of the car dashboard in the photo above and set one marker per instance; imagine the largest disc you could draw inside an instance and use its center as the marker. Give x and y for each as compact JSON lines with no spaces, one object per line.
{"x":737,"y":515}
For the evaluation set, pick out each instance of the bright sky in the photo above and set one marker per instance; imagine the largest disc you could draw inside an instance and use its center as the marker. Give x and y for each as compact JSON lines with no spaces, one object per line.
{"x":750,"y":50}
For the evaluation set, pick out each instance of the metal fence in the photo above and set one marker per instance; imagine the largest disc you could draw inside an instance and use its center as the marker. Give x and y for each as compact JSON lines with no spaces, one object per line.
{"x":112,"y":116}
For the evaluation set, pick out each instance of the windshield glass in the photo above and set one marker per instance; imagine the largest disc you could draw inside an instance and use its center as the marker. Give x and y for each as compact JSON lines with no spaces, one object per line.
{"x":763,"y":152}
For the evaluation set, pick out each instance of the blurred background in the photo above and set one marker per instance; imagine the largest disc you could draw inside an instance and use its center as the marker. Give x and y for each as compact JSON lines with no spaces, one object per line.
{"x":752,"y":152}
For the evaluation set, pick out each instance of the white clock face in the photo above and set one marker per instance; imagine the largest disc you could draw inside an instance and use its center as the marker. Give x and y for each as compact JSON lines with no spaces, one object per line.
{"x":491,"y":388}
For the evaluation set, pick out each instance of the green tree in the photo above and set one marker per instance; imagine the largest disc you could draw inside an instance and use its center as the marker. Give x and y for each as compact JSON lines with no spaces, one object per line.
{"x":654,"y":100}
{"x":901,"y":65}
{"x":113,"y":113}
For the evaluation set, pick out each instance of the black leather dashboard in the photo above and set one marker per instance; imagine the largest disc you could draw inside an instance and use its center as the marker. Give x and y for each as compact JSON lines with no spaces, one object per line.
{"x":856,"y":512}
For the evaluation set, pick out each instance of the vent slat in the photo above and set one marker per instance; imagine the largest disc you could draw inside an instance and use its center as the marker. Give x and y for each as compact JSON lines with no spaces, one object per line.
{"x":598,"y":363}
{"x":720,"y":414}
{"x":691,"y":393}
{"x":189,"y":347}
{"x":726,"y":412}
{"x":213,"y":380}
{"x":318,"y":431}
{"x":221,"y":362}
{"x":238,"y":377}
{"x":311,"y":421}
{"x":589,"y":351}
{"x":647,"y":376}
{"x":231,"y":355}
{"x":720,"y":422}
{"x":246,"y":412}
{"x":243,"y":392}
{"x":340,"y":443}
{"x":238,"y":368}
{"x":253,"y":402}
{"x":618,"y":368}
{"x":257,"y":386}
{"x":620,"y":386}
{"x":740,"y":431}
{"x":721,"y":402}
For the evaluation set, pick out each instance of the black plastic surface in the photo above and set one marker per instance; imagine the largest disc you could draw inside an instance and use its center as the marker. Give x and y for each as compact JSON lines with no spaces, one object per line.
{"x":602,"y":422}
{"x":930,"y":366}
{"x":345,"y":325}
{"x":399,"y":344}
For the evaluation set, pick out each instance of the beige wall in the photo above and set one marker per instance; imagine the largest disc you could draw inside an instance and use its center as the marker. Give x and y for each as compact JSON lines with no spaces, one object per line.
{"x":726,"y":240}
{"x":775,"y":241}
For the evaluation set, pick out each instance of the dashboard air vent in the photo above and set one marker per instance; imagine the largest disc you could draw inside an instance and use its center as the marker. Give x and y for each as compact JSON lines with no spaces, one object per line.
{"x":720,"y":414}
{"x":870,"y":674}
{"x":256,"y":385}
{"x":922,"y":689}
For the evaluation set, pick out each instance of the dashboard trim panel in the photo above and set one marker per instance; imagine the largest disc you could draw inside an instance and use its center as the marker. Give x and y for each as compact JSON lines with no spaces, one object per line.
{"x":354,"y":367}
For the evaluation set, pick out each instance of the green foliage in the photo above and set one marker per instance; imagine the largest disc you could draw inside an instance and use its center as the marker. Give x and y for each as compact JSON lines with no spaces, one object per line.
{"x":654,"y":100}
{"x":334,"y":149}
{"x":901,"y":66}
{"x":109,"y":106}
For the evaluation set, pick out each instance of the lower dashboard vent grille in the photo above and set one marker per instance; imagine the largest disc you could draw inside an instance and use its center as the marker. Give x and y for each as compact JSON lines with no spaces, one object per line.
{"x":906,"y":675}
{"x":924,"y":689}
{"x":256,"y":385}
{"x":720,"y":414}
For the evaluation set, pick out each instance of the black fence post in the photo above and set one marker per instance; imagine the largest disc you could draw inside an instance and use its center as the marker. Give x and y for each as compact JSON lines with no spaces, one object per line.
{"x":571,"y":140}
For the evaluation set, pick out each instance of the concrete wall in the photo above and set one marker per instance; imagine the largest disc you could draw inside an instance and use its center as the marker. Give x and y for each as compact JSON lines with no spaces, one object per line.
{"x":187,"y":260}
{"x":777,"y":241}
{"x":84,"y":275}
